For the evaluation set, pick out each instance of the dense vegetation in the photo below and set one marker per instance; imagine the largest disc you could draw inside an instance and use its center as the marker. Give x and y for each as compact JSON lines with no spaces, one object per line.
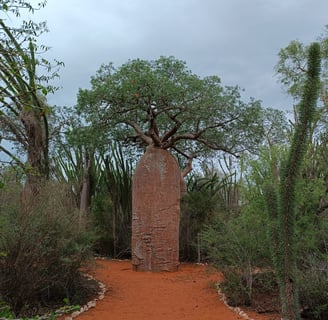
{"x":66,"y":190}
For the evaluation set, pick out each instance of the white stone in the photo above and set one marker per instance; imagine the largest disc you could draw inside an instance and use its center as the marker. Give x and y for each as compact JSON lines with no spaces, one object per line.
{"x":75,"y":314}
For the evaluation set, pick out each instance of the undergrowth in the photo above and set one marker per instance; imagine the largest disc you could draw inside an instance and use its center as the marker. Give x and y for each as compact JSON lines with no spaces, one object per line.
{"x":42,"y":253}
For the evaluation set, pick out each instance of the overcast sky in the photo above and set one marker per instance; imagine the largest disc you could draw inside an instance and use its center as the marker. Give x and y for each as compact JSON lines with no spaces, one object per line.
{"x":237,"y":40}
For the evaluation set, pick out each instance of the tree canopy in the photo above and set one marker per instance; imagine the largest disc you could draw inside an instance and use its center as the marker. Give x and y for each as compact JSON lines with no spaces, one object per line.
{"x":162,"y":103}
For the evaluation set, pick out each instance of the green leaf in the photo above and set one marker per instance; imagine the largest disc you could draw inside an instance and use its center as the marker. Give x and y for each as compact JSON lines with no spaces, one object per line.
{"x":3,"y":254}
{"x":44,"y":91}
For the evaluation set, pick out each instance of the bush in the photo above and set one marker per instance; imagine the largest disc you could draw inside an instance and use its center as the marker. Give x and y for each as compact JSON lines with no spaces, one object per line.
{"x":113,"y":227}
{"x":235,"y":288}
{"x":238,"y":246}
{"x":196,"y":209}
{"x":313,"y":292}
{"x":42,"y":252}
{"x":264,"y":294}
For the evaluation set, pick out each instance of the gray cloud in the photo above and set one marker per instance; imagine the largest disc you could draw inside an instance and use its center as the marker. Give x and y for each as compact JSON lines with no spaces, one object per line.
{"x":238,"y":40}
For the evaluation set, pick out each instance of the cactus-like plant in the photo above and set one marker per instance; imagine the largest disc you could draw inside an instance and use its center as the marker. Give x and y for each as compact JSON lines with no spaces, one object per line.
{"x":281,"y":199}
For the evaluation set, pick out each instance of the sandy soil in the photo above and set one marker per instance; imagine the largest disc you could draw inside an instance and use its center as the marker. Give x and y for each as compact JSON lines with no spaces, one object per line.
{"x":189,"y":294}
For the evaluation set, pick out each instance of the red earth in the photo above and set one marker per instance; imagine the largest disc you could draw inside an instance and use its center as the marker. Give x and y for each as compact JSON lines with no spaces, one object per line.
{"x":189,"y":293}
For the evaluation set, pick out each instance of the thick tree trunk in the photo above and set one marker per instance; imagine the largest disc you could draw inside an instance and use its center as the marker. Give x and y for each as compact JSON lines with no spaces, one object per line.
{"x":155,"y":212}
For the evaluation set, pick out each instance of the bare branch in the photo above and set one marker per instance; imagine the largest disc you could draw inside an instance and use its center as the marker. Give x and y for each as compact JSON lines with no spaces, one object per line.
{"x":181,"y":152}
{"x":217,"y":147}
{"x":139,"y":131}
{"x":171,"y":132}
{"x":153,"y":129}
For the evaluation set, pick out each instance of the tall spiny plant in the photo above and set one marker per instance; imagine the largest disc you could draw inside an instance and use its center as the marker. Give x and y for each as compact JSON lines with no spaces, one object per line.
{"x":281,"y":199}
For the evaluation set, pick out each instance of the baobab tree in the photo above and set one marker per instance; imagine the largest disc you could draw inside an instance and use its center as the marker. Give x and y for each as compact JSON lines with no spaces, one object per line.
{"x":162,"y":105}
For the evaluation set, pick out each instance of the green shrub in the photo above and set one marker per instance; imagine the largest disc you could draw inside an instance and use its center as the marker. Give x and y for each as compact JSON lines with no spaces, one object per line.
{"x":210,"y":193}
{"x":235,"y":288}
{"x":113,"y":227}
{"x":42,"y":252}
{"x":196,"y":209}
{"x":313,"y":291}
{"x":262,"y":295}
{"x":239,"y":248}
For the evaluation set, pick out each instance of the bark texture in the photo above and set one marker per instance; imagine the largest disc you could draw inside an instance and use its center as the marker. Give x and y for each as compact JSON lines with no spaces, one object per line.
{"x":37,"y":166}
{"x":155,"y":212}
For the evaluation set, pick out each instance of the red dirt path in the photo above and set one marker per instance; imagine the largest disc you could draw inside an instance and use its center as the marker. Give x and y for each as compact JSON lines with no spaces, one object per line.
{"x":187,"y":294}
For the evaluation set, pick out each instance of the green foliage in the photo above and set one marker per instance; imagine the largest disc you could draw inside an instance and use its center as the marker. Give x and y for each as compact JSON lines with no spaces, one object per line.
{"x":310,"y":227}
{"x":5,"y":311}
{"x":311,"y":214}
{"x":275,"y":126}
{"x":210,"y":192}
{"x":311,"y":221}
{"x":43,"y":252}
{"x":162,"y":102}
{"x":197,"y":208}
{"x":109,"y":171}
{"x":292,"y":66}
{"x":16,"y":6}
{"x":232,"y":235}
{"x":235,"y":288}
{"x":24,"y":112}
{"x":238,"y":245}
{"x":111,"y":207}
{"x":313,"y":292}
{"x":68,"y":163}
{"x":292,"y":72}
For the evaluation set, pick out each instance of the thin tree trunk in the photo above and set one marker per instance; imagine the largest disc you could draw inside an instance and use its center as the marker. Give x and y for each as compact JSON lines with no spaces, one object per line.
{"x":114,"y":233}
{"x":35,"y":171}
{"x":184,"y":172}
{"x":85,"y":196}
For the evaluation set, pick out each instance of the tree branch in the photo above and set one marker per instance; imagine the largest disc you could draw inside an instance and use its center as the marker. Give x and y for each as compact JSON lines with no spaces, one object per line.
{"x":153,"y":129}
{"x":188,"y":167}
{"x":8,"y":153}
{"x":14,"y":129}
{"x":148,"y":140}
{"x":171,"y":132}
{"x":217,"y":147}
